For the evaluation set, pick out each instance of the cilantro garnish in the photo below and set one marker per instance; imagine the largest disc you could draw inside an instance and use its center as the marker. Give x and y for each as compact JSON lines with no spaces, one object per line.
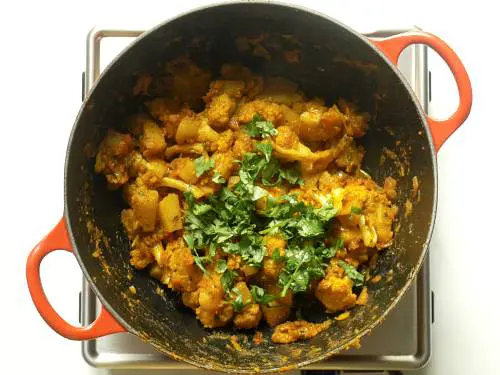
{"x":260,"y":127}
{"x":356,"y":210}
{"x":202,"y":165}
{"x":238,"y":303}
{"x":356,"y":277}
{"x":227,"y":280}
{"x":304,"y":263}
{"x":228,"y":220}
{"x":220,"y":266}
{"x":218,"y":179}
{"x":266,"y":149}
{"x":260,"y":296}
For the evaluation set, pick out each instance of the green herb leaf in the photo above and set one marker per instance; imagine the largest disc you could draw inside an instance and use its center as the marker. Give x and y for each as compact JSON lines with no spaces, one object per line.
{"x":218,"y":179}
{"x":357,"y":277}
{"x":258,"y":193}
{"x":201,"y":209}
{"x":292,"y":175}
{"x":266,"y":149}
{"x":356,"y":210}
{"x":227,"y":280}
{"x":260,"y":296}
{"x":202,"y":165}
{"x":305,"y":261}
{"x":327,"y":212}
{"x":310,"y":227}
{"x":238,"y":303}
{"x":229,"y":220}
{"x":259,"y":127}
{"x":277,"y":255}
{"x":220,"y":266}
{"x":338,"y":244}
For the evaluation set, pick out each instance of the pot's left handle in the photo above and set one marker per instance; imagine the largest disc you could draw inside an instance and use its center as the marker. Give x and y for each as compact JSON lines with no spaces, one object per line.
{"x":58,"y":239}
{"x":440,"y":129}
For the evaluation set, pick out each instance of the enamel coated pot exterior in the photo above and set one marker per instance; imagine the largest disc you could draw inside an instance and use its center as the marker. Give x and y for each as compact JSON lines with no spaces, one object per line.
{"x":333,"y":61}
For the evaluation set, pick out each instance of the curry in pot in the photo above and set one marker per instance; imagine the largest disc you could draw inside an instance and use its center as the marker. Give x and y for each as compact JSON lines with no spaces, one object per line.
{"x":249,"y":201}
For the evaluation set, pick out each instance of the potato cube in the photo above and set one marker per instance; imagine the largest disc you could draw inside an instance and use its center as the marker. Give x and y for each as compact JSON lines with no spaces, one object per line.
{"x":170,"y":213}
{"x":145,"y":205}
{"x":152,"y":140}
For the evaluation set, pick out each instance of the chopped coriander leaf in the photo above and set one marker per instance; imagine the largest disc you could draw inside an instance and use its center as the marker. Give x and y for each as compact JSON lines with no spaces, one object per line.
{"x":296,"y":219}
{"x":327,"y":212}
{"x":338,"y":244}
{"x":310,"y":227}
{"x":277,"y":255}
{"x":292,"y":175}
{"x":250,"y":248}
{"x":266,"y":149}
{"x":218,"y":179}
{"x":229,"y":220}
{"x":200,"y":209}
{"x":220,"y":266}
{"x":202,"y":165}
{"x":260,"y":296}
{"x":238,"y":303}
{"x":258,"y":193}
{"x":304,"y":262}
{"x":356,"y":210}
{"x":227,"y":280}
{"x":260,"y":127}
{"x":357,"y":277}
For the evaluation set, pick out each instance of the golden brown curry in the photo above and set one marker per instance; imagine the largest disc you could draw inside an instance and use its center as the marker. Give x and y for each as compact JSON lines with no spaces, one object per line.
{"x":251,"y":201}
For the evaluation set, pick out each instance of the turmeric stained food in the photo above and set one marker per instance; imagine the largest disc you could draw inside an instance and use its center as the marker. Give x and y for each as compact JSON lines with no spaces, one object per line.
{"x":249,"y":202}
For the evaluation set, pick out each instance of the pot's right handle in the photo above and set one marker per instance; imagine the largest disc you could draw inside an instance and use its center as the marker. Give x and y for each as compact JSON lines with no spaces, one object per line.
{"x":440,"y":129}
{"x":58,"y":239}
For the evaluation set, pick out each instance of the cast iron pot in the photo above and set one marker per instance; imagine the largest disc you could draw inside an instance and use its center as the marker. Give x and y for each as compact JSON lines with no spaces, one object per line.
{"x":332,"y":61}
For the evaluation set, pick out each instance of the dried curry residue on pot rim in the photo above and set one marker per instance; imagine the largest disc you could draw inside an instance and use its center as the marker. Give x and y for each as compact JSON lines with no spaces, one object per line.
{"x":254,"y":199}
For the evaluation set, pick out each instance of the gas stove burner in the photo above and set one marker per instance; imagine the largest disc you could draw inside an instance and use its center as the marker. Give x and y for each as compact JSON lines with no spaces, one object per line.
{"x":401,"y":342}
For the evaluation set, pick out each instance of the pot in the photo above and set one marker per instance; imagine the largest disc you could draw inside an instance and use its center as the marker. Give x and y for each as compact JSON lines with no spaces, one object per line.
{"x":332,"y":60}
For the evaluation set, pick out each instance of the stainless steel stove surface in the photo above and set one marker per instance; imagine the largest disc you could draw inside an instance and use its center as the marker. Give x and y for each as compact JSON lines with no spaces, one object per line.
{"x":401,"y":342}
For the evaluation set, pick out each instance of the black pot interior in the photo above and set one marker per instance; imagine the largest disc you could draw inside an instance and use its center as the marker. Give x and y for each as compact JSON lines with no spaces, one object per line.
{"x":334,"y":62}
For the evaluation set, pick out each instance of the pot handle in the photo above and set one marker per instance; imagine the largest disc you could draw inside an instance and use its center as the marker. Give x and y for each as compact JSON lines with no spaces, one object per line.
{"x":58,"y":239}
{"x":440,"y":129}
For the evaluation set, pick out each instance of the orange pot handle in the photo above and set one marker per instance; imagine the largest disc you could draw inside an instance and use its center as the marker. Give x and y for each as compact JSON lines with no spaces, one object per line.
{"x":58,"y":239}
{"x":440,"y":129}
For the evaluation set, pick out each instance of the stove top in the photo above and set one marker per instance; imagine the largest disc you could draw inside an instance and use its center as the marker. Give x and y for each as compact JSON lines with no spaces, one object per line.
{"x":401,"y":342}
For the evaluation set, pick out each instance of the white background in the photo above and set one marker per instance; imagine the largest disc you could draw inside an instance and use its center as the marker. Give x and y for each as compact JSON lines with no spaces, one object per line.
{"x":42,"y":54}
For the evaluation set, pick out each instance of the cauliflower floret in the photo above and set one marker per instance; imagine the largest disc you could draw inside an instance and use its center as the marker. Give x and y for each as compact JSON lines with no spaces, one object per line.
{"x":212,"y":311}
{"x":251,"y":314}
{"x":219,"y":111}
{"x":335,"y":290}
{"x":348,"y":155}
{"x":130,"y":223}
{"x":223,"y":164}
{"x":112,"y":159}
{"x":141,"y":257}
{"x":287,"y":138}
{"x":181,"y":272}
{"x":355,"y":124}
{"x":373,"y":223}
{"x":270,"y":111}
{"x":191,"y":299}
{"x":277,"y":311}
{"x":271,"y":268}
{"x":230,"y":88}
{"x":242,"y":144}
